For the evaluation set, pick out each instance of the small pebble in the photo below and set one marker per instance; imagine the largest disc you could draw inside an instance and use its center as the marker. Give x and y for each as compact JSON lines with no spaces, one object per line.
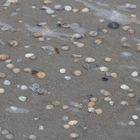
{"x":105,"y":79}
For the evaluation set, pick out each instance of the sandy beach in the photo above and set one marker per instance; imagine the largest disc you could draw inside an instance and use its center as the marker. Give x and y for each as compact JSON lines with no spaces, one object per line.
{"x":69,"y":69}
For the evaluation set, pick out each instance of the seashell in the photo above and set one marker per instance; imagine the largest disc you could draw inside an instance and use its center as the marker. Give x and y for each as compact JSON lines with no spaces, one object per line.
{"x":89,"y":59}
{"x":41,"y":75}
{"x":124,"y":87}
{"x":74,"y":135}
{"x":47,"y":1}
{"x":13,"y":43}
{"x":73,"y":122}
{"x":37,"y":34}
{"x":99,"y":111}
{"x":4,"y":57}
{"x":29,"y":55}
{"x":77,"y":72}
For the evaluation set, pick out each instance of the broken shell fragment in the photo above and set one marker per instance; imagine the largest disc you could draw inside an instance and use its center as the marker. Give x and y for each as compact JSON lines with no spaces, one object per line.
{"x":99,"y":111}
{"x":4,"y":57}
{"x":73,"y":122}
{"x":13,"y":43}
{"x":98,"y":41}
{"x":77,"y":72}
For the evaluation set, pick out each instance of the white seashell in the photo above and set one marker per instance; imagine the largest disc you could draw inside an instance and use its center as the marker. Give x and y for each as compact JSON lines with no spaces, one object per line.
{"x":89,"y":60}
{"x":29,"y":55}
{"x":74,"y":135}
{"x":135,"y":117}
{"x":124,"y":87}
{"x":68,"y":8}
{"x":103,"y":69}
{"x":134,"y":74}
{"x":62,"y":70}
{"x":73,"y":122}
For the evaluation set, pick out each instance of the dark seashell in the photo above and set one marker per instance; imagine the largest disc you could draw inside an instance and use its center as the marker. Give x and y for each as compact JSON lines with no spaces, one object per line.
{"x":113,"y":25}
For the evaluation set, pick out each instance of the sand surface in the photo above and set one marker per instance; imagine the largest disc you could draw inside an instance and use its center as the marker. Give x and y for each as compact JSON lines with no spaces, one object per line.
{"x":113,"y":123}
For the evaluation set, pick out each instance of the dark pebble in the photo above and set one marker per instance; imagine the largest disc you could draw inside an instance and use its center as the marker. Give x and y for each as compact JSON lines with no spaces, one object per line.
{"x":105,"y":79}
{"x":113,"y":25}
{"x":34,"y":72}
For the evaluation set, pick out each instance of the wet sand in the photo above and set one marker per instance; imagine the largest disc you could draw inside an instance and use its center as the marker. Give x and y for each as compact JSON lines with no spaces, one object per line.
{"x":90,"y":125}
